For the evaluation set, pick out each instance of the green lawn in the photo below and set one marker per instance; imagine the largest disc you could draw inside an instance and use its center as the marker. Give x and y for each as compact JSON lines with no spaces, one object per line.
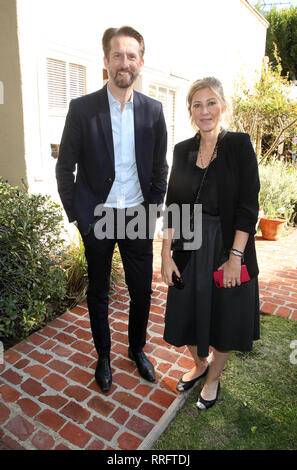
{"x":257,"y":407}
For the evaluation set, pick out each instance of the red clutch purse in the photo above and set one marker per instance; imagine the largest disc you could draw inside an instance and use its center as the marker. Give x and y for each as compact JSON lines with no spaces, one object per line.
{"x":218,"y":276}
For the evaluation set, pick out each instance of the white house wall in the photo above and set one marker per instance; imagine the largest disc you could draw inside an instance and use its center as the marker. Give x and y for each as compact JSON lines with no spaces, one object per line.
{"x":184,"y":41}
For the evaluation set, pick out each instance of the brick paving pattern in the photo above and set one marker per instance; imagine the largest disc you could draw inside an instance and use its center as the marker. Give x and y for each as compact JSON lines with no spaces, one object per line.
{"x":49,"y":397}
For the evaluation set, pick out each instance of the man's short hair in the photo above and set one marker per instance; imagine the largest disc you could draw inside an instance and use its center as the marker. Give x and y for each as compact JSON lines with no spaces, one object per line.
{"x":123,"y":31}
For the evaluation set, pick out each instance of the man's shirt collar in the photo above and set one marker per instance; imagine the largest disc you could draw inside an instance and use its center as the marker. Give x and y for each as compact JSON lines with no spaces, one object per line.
{"x":113,"y":101}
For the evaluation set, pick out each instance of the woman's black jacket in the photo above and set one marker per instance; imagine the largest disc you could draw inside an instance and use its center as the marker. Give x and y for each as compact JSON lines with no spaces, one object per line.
{"x":237,"y":182}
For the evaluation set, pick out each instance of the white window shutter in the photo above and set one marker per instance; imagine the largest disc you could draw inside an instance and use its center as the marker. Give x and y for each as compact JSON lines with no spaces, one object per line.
{"x":167,"y":96}
{"x":65,"y":82}
{"x":153,"y":91}
{"x":57,"y":83}
{"x":77,"y":80}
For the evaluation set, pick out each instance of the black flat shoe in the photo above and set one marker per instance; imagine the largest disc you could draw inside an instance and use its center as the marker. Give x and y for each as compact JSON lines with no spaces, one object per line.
{"x":144,"y":366}
{"x":182,"y":385}
{"x":206,"y":404}
{"x":103,"y":373}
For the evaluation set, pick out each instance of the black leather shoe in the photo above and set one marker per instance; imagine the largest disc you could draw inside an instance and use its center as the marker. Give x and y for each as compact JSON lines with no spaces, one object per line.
{"x":103,"y":373}
{"x":206,"y":404}
{"x":183,"y":385}
{"x":144,"y":366}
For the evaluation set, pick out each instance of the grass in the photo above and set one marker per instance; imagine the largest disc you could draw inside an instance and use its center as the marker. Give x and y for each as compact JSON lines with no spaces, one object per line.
{"x":256,"y":409}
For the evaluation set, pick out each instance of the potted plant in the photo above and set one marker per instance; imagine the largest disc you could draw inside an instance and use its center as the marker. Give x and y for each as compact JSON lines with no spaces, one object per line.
{"x":278,"y":196}
{"x":273,"y":222}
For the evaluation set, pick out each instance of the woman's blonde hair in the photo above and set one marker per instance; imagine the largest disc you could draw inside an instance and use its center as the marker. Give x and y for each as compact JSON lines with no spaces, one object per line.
{"x":208,"y":82}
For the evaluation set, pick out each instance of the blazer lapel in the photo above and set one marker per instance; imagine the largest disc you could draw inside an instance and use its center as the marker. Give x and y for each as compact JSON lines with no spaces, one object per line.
{"x":138,"y":128}
{"x":105,"y":120}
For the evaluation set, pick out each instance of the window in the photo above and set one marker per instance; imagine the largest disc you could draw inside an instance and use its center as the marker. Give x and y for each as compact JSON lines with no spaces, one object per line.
{"x":65,"y":82}
{"x":77,"y":85}
{"x":167,"y":96}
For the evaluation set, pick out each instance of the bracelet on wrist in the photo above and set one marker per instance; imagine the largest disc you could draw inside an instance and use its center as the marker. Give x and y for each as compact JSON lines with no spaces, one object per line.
{"x":236,"y":252}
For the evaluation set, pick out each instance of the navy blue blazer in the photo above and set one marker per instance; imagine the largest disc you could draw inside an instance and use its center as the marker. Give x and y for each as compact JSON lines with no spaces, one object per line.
{"x":87,"y":147}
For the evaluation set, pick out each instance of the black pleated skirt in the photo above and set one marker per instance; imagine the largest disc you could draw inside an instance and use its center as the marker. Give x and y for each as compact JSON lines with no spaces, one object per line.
{"x":204,"y":315}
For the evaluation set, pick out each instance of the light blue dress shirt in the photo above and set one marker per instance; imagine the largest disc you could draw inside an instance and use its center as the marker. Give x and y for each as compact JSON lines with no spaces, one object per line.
{"x":126,"y":190}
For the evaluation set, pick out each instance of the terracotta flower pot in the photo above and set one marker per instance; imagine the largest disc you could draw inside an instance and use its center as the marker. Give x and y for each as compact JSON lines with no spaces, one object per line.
{"x":272,"y":228}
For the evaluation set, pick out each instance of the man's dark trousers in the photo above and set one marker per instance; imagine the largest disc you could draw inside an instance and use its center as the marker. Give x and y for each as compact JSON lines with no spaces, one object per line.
{"x":137,"y":258}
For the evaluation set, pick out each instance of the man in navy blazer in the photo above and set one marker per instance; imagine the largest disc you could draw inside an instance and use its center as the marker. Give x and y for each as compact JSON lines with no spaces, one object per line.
{"x":113,"y":154}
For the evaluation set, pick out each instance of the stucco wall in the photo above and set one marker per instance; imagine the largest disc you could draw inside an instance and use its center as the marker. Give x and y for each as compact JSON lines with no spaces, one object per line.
{"x":12,"y":160}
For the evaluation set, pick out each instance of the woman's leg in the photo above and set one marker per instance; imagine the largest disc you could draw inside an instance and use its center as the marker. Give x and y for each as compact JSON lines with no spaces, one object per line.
{"x":216,"y":367}
{"x":200,"y":365}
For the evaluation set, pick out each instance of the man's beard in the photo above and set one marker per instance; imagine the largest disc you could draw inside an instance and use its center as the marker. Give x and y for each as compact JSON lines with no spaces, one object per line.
{"x":124,"y":82}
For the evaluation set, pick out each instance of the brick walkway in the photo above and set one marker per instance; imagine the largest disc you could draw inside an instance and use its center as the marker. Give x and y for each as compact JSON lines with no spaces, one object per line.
{"x":50,"y":399}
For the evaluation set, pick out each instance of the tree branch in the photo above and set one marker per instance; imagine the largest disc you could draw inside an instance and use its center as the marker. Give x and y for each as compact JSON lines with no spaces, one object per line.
{"x":276,"y":141}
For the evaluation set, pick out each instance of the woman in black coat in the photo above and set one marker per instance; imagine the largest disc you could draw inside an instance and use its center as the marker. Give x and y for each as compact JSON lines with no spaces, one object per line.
{"x":202,"y":315}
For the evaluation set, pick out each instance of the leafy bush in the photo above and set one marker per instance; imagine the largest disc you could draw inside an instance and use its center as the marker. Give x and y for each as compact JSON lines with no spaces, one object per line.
{"x":278,"y":194}
{"x":40,"y":276}
{"x":32,"y":279}
{"x":117,"y":268}
{"x":264,"y":110}
{"x":76,"y":269}
{"x":75,"y":266}
{"x":282,"y":31}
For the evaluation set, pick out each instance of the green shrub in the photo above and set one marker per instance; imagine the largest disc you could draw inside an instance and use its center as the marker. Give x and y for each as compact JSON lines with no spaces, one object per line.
{"x":278,"y":194}
{"x":75,"y":266}
{"x":32,"y":279}
{"x":76,"y":269}
{"x":40,"y":275}
{"x":264,"y":109}
{"x":116,"y":269}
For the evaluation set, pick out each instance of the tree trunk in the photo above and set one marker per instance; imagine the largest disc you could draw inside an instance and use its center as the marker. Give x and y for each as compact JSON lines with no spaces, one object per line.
{"x":259,"y":141}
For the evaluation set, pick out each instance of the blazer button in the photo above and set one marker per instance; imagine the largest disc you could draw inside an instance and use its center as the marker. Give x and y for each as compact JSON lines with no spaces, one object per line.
{"x":110,"y":180}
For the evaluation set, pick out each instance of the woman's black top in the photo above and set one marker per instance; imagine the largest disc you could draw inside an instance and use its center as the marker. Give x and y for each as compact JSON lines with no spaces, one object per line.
{"x":209,"y":194}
